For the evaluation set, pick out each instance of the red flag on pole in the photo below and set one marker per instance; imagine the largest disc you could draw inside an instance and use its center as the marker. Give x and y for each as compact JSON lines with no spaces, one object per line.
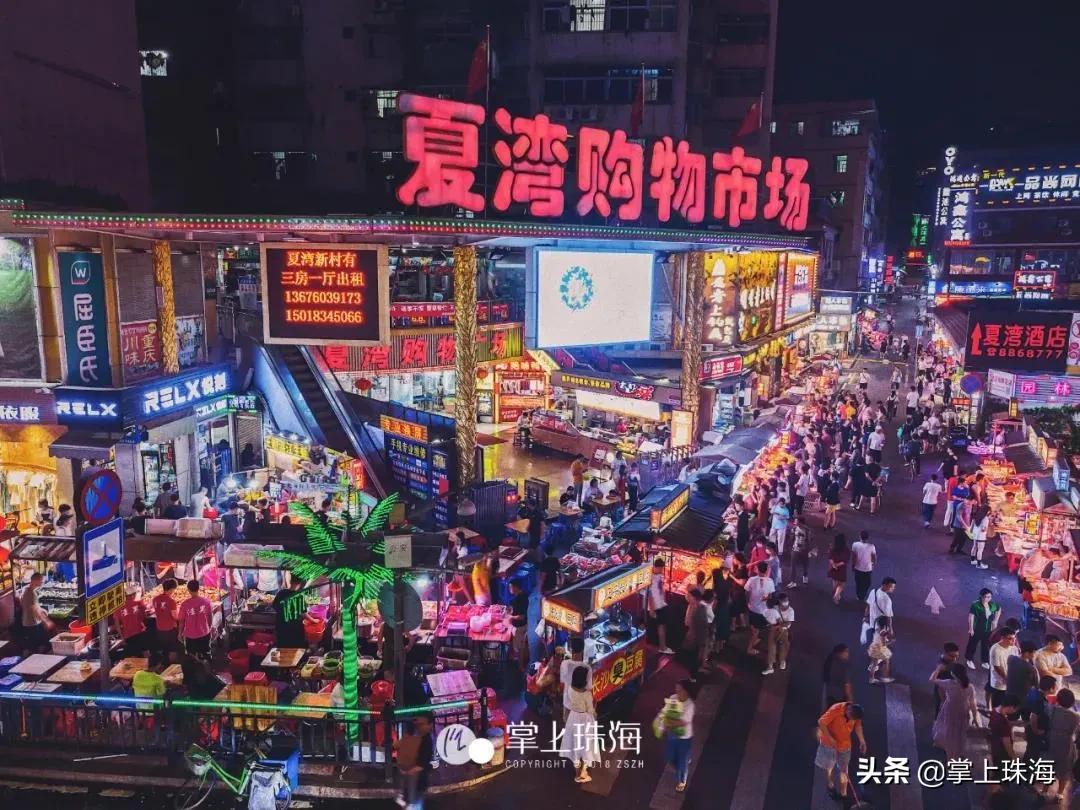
{"x":752,"y":122}
{"x":478,"y":70}
{"x":637,"y":109}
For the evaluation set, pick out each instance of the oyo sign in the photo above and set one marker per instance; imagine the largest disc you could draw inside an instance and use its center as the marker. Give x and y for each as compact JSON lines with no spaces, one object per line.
{"x":613,"y":174}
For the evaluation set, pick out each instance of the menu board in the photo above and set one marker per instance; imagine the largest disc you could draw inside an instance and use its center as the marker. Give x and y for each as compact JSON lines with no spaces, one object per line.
{"x":410,"y":464}
{"x":440,"y":486}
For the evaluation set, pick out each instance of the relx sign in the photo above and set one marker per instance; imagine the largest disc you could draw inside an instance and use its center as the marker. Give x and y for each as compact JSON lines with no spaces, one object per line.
{"x":87,"y":409}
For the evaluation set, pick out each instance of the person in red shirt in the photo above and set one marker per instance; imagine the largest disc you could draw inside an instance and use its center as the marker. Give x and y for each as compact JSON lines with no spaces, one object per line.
{"x":196,"y":621}
{"x":165,"y":614}
{"x":130,"y":621}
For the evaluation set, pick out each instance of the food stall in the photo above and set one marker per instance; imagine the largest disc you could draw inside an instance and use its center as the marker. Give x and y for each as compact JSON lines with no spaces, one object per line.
{"x":596,"y":608}
{"x":597,"y":550}
{"x":683,"y":528}
{"x":49,"y":555}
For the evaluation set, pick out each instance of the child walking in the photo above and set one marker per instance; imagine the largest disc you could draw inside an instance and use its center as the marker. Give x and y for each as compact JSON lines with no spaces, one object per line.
{"x":879,"y":652}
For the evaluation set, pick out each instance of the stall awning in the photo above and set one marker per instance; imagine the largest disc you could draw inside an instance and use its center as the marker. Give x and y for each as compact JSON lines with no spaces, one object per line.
{"x":954,"y":322}
{"x":1024,"y":458}
{"x":161,"y":548}
{"x":693,"y":530}
{"x":78,"y":444}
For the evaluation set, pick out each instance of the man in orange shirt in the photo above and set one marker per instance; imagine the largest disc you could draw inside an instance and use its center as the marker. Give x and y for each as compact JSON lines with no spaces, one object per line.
{"x":577,"y":472}
{"x":835,"y":728}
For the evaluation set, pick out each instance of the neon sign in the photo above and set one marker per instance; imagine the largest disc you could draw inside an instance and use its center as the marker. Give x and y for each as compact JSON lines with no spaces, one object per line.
{"x":612,"y":173}
{"x":183,"y":391}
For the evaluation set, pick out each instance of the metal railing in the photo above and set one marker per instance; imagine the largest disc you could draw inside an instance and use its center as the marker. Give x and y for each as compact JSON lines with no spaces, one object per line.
{"x":114,"y":723}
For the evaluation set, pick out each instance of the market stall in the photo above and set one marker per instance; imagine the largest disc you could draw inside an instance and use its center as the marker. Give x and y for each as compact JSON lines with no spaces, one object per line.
{"x":597,"y":608}
{"x":683,"y":528}
{"x":52,"y":556}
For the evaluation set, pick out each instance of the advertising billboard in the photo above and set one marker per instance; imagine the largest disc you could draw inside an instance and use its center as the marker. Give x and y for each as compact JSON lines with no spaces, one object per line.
{"x":591,"y":297}
{"x":799,"y":283}
{"x":326,"y":293}
{"x":86,"y":335}
{"x":1018,"y":341}
{"x":140,"y":347}
{"x":20,"y":337}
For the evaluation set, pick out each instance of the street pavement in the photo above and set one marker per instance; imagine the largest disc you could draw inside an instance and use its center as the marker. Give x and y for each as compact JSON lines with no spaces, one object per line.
{"x":756,"y":749}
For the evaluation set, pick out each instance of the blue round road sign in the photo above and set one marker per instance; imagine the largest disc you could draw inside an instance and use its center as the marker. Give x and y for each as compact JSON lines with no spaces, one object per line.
{"x":100,"y":497}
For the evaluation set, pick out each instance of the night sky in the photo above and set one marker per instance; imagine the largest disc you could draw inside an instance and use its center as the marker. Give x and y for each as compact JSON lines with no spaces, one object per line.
{"x":944,"y":71}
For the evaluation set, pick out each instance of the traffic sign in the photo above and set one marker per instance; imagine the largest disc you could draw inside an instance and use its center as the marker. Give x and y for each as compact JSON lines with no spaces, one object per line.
{"x":99,"y":498}
{"x":100,"y":553}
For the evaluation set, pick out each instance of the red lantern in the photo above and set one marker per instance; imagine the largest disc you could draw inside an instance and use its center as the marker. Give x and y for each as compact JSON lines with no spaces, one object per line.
{"x":364,"y":384}
{"x":481,"y":373}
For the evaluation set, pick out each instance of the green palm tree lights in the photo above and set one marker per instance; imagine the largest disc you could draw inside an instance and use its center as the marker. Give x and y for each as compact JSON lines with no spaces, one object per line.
{"x":356,"y":566}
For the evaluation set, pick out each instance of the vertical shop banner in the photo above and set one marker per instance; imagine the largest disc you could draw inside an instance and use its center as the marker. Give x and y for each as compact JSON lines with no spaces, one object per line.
{"x":20,"y":338}
{"x":86,"y":334}
{"x":140,"y":347}
{"x":191,"y":340}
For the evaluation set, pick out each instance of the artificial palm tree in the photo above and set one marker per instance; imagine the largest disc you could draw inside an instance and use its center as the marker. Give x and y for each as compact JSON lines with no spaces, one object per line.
{"x":356,"y":566}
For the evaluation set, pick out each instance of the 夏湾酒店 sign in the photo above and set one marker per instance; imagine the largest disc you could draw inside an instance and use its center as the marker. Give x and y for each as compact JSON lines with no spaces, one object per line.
{"x":1022,"y":341}
{"x":611,"y":174}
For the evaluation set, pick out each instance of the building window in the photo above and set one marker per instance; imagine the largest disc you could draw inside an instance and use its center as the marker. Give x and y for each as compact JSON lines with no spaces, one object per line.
{"x":800,"y":127}
{"x":348,"y":32}
{"x":609,"y":15}
{"x":580,"y":85}
{"x":385,"y":102}
{"x":843,"y":127}
{"x":840,"y":164}
{"x":153,"y":63}
{"x":742,"y":29}
{"x":738,"y":83}
{"x":836,"y":198}
{"x":350,"y":95}
{"x":772,"y":127}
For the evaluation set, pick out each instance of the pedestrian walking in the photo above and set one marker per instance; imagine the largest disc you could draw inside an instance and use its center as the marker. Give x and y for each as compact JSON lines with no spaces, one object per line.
{"x":879,"y":602}
{"x":958,"y":713}
{"x":1020,"y":673}
{"x":864,"y":380}
{"x":758,"y":589}
{"x":832,"y":501}
{"x":930,"y":493}
{"x":880,"y":653}
{"x":978,"y":529}
{"x":416,"y":751}
{"x":943,"y":671}
{"x":722,"y":586}
{"x":983,"y":617}
{"x":579,"y":740}
{"x":780,"y":616}
{"x":696,"y":637}
{"x":837,"y":676}
{"x":863,"y":560}
{"x":834,"y":731}
{"x":800,"y":554}
{"x":961,"y":522}
{"x":675,"y":723}
{"x":781,"y":516}
{"x":999,"y":659}
{"x":1061,"y":740}
{"x":838,"y":565}
{"x":802,"y":489}
{"x":656,"y":607}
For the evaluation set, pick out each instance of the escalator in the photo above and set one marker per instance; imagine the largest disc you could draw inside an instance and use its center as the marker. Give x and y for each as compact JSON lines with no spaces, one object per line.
{"x":327,"y":416}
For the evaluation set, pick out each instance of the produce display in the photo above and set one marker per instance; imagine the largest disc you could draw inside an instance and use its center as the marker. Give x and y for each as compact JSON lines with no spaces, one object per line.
{"x":577,"y":566}
{"x":181,"y":595}
{"x":1060,"y":599}
{"x":479,"y":623}
{"x":1016,"y":522}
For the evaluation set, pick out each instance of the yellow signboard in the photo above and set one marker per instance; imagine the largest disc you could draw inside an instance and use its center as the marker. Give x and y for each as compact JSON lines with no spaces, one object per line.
{"x":104,"y":605}
{"x":618,"y":589}
{"x":561,"y":616}
{"x":660,"y":518}
{"x":280,"y":445}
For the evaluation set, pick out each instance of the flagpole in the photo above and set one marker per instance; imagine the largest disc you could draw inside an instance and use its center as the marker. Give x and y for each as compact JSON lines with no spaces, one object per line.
{"x":487,"y":109}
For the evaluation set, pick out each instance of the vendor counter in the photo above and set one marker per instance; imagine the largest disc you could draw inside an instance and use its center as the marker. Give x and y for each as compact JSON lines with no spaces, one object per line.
{"x":555,"y":429}
{"x":616,"y":653}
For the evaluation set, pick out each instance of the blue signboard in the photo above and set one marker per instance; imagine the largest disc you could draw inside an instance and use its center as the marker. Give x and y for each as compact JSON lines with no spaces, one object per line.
{"x":440,"y":486}
{"x":86,"y":335}
{"x":177,"y":393}
{"x":89,"y":409}
{"x":102,"y":557}
{"x":410,"y":464}
{"x":981,"y":289}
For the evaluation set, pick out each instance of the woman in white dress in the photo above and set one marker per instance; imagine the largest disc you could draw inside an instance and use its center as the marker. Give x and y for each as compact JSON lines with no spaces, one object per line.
{"x":580,"y":737}
{"x":958,"y":713}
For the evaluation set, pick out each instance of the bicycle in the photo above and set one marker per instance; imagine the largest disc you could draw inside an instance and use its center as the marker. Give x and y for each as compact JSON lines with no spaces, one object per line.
{"x":206,"y":771}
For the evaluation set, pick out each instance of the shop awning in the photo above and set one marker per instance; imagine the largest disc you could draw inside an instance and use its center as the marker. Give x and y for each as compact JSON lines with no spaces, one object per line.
{"x":166,"y":428}
{"x":693,"y":530}
{"x":954,"y":322}
{"x":78,"y":444}
{"x":1024,"y":459}
{"x":161,"y":548}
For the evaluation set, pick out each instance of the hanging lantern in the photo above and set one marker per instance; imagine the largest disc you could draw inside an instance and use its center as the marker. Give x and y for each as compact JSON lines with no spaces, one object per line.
{"x":481,"y":373}
{"x":363,"y":384}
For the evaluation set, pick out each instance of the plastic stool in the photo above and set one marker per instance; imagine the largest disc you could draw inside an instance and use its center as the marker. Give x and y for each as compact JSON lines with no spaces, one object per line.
{"x":259,"y":678}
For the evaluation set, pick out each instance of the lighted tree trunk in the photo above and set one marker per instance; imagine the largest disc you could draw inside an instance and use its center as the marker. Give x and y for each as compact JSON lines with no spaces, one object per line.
{"x":170,"y":357}
{"x":465,"y":363}
{"x":349,"y":669}
{"x":693,"y":321}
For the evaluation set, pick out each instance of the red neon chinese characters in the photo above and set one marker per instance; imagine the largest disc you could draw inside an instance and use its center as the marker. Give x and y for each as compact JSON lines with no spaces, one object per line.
{"x":446,"y":350}
{"x":609,"y":166}
{"x":533,"y":164}
{"x":735,"y":186}
{"x":442,"y":138}
{"x":794,"y":208}
{"x":679,"y":180}
{"x":337,"y":357}
{"x":414,"y":351}
{"x":498,"y":344}
{"x":375,"y":358}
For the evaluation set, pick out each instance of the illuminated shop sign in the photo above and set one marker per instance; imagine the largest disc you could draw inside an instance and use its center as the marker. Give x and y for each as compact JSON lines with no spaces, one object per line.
{"x":20,"y":414}
{"x":1024,"y":341}
{"x":626,"y":389}
{"x":836,"y":304}
{"x":977,"y":289}
{"x":661,"y":518}
{"x":716,"y":368}
{"x":325,"y":293}
{"x":82,"y":294}
{"x":1035,"y":284}
{"x":611,"y":174}
{"x":561,"y":616}
{"x":427,"y":351}
{"x":606,"y":595}
{"x":799,"y":285}
{"x":183,"y":391}
{"x":1034,"y":184}
{"x":1034,"y":390}
{"x":79,"y":407}
{"x":240,"y":402}
{"x":832,"y":323}
{"x":403,"y":428}
{"x":720,"y":321}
